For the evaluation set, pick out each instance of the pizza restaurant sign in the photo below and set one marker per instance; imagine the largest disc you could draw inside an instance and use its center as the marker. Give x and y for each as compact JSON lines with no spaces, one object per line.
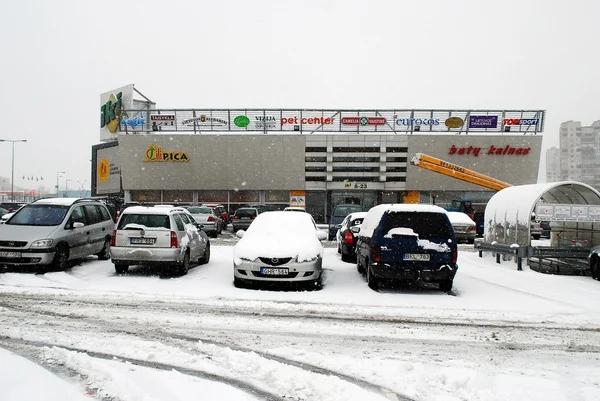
{"x":493,"y":150}
{"x":155,"y":153}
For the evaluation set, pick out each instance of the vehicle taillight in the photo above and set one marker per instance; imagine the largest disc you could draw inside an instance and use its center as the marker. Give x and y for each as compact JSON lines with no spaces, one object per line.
{"x":376,"y":254}
{"x":348,"y":238}
{"x":454,"y":256}
{"x":174,"y":242}
{"x":113,"y":238}
{"x":253,"y":217}
{"x":472,"y":228}
{"x":210,"y":218}
{"x":236,"y":217}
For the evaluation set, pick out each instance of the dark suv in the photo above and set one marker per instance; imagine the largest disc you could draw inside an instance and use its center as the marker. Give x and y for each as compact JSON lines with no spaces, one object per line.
{"x":407,"y":242}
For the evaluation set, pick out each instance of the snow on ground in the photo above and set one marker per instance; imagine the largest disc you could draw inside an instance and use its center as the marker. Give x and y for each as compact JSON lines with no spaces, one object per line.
{"x":22,"y":380}
{"x":502,"y":334}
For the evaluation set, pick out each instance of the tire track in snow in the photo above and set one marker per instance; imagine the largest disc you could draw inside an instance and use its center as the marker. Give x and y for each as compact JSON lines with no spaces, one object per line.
{"x":258,"y":392}
{"x":166,"y":337}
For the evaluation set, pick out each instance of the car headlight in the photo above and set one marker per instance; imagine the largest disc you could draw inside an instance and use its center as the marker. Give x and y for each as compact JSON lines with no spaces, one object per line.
{"x":42,"y":243}
{"x":307,"y":259}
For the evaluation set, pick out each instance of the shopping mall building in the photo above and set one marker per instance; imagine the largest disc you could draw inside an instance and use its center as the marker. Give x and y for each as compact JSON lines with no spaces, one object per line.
{"x":311,"y":158}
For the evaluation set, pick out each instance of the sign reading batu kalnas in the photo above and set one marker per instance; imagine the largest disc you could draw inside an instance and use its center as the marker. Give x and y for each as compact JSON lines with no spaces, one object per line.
{"x":334,"y":121}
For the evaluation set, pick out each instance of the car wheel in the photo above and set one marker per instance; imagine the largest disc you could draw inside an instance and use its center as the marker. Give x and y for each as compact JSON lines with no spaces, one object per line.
{"x":595,"y":267}
{"x":446,"y":285}
{"x":61,"y":258}
{"x":185,"y":264}
{"x":206,"y":257}
{"x":359,"y":267}
{"x":346,"y":257}
{"x":104,"y":254}
{"x":121,"y":268}
{"x":372,"y":281}
{"x":318,"y":283}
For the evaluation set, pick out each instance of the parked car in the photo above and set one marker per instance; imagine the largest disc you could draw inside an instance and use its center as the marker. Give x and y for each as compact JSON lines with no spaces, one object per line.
{"x":464,"y":228}
{"x":479,"y":223}
{"x":54,"y":231}
{"x":294,"y":209}
{"x":221,"y":212}
{"x":263,"y":254}
{"x":160,"y":236}
{"x":546,"y":229}
{"x":408,"y":242}
{"x":594,"y":261}
{"x":339,"y":214}
{"x":5,"y":217}
{"x":243,"y":217}
{"x":346,"y":239}
{"x":3,"y":211}
{"x":207,"y":217}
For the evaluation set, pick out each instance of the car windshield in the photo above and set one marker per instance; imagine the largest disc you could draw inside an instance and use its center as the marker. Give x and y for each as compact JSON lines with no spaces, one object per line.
{"x":39,"y":215}
{"x":146,"y":220}
{"x":426,"y":225}
{"x":200,"y":210}
{"x":343,"y":211}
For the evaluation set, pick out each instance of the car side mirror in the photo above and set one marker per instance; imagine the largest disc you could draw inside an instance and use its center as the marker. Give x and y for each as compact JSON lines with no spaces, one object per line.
{"x":338,"y":226}
{"x":77,"y":224}
{"x":355,"y":229}
{"x":240,"y":233}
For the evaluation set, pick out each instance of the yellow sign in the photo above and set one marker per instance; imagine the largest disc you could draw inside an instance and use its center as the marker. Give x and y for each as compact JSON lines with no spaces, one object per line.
{"x":411,"y":196}
{"x":155,"y":153}
{"x":103,"y":170}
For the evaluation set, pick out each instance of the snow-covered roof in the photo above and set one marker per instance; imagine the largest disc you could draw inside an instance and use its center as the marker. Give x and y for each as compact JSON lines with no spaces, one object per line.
{"x":374,"y":214}
{"x":460,"y":218}
{"x":508,"y":213}
{"x":152,"y":210}
{"x":57,"y":201}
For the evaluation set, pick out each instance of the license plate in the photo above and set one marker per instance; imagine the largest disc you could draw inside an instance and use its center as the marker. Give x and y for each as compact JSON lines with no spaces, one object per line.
{"x":145,"y":241}
{"x":416,"y":256}
{"x":245,"y":218}
{"x":10,"y":254}
{"x":268,"y":271}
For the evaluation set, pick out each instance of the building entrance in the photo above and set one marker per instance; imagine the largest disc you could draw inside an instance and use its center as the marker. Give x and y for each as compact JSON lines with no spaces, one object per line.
{"x":366,"y":199}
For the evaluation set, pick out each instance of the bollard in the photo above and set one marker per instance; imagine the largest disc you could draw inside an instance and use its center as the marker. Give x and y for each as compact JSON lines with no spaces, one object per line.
{"x":498,"y":258}
{"x":480,"y":253}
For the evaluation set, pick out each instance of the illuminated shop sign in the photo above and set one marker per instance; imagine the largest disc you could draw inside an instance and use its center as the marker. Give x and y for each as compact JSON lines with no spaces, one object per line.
{"x":506,"y":150}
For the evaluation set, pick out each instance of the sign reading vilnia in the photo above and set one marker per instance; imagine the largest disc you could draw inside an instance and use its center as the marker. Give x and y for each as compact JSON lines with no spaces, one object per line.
{"x":308,"y":121}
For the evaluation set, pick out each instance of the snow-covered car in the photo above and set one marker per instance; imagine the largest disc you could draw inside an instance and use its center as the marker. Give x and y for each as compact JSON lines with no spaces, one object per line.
{"x":208,"y":219}
{"x":594,"y":260}
{"x":465,"y":229}
{"x":408,"y":242}
{"x":158,"y":236}
{"x":265,"y":254}
{"x":5,"y":217}
{"x":346,"y":239}
{"x":294,"y":209}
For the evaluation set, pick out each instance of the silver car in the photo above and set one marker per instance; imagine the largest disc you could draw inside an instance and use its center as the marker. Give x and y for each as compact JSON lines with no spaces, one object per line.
{"x":206,"y":217}
{"x":158,"y":236}
{"x":264,"y":253}
{"x":54,"y":231}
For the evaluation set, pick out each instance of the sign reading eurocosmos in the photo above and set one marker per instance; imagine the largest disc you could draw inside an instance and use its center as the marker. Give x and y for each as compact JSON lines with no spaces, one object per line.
{"x":308,"y":121}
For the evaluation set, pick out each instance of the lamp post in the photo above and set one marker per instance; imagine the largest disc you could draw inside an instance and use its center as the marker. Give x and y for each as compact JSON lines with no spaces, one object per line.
{"x":12,"y":178}
{"x":67,"y":187}
{"x":82,"y":184}
{"x":57,"y":178}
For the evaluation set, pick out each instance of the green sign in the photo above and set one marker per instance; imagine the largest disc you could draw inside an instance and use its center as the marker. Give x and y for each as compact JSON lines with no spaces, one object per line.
{"x":241,"y":121}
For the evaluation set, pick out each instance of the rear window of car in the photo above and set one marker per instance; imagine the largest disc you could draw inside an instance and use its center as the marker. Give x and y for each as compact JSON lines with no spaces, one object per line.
{"x":426,"y":225}
{"x":245,"y":212}
{"x":200,"y":210}
{"x":343,"y":211}
{"x":147,"y":220}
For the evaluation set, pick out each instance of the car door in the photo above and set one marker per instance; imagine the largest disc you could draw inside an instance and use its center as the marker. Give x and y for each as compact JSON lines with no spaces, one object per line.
{"x":193,"y":235}
{"x":96,"y":229}
{"x":78,"y":238}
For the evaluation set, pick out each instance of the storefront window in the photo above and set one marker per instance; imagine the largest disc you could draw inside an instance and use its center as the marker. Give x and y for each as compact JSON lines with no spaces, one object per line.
{"x":277,"y":196}
{"x":244,"y":196}
{"x":178,"y":196}
{"x":145,"y":196}
{"x":212,"y":196}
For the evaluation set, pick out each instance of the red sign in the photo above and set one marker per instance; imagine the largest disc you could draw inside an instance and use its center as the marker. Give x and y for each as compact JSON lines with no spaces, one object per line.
{"x":364,"y":120}
{"x":492,"y":150}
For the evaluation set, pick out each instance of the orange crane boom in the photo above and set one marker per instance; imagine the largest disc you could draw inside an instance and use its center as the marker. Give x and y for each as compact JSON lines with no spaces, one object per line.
{"x":452,"y":170}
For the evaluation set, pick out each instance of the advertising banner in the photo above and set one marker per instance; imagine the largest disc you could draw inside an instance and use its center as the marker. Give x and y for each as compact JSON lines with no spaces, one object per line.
{"x":112,"y":104}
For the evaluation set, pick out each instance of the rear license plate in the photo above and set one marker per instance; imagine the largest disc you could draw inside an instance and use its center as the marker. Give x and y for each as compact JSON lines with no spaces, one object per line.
{"x":245,"y":218}
{"x":268,"y":271}
{"x":10,"y":254}
{"x":416,"y":256}
{"x":144,"y":241}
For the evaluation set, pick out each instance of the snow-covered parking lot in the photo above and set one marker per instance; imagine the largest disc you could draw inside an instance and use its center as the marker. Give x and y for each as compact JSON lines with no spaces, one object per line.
{"x":501,"y":334}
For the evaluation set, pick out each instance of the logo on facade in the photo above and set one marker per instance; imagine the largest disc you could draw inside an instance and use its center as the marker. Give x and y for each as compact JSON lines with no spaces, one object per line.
{"x":521,"y":121}
{"x":265,"y":122}
{"x":202,"y":119}
{"x":241,"y":121}
{"x":417,"y":121}
{"x":454,"y":122}
{"x":162,"y":120}
{"x":155,"y":153}
{"x":483,"y":121}
{"x":364,"y":121}
{"x":103,"y":170}
{"x":133,"y":122}
{"x":492,"y":150}
{"x":110,"y":112}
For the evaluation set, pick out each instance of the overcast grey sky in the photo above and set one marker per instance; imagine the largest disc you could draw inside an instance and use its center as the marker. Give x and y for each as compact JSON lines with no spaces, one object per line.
{"x":57,"y":57}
